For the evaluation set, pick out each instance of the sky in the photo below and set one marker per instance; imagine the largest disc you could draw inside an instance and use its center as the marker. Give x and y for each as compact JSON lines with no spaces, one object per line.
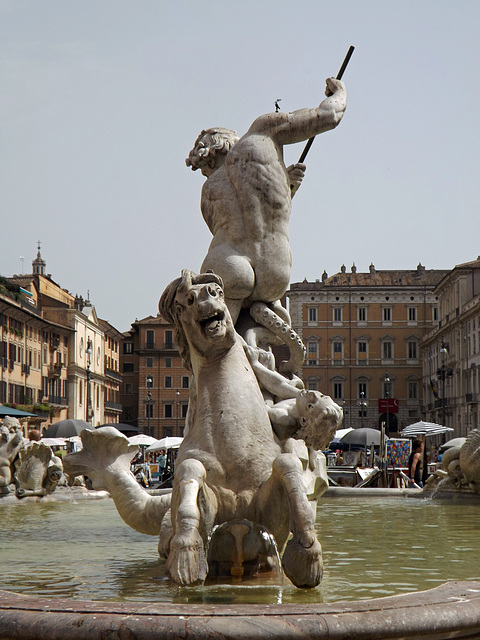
{"x":102,"y":100}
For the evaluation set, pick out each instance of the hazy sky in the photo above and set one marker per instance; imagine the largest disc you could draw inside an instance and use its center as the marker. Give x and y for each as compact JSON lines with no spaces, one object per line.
{"x":102,"y":100}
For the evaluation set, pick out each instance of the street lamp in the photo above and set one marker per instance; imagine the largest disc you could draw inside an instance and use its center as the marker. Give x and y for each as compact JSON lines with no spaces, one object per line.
{"x":443,"y":373}
{"x":386,"y":389}
{"x":363,"y":404}
{"x":88,"y":353}
{"x":385,"y":428}
{"x":149,"y":401}
{"x":178,"y":395}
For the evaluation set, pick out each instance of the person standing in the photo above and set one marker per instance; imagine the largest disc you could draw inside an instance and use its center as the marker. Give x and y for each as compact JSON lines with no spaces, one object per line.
{"x":415,"y":463}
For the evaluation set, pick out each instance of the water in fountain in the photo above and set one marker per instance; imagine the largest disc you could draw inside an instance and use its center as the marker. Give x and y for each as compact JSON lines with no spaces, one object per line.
{"x":372,"y":547}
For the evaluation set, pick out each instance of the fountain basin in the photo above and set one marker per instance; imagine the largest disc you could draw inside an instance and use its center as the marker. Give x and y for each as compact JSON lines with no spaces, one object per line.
{"x":69,"y":554}
{"x":448,"y":611}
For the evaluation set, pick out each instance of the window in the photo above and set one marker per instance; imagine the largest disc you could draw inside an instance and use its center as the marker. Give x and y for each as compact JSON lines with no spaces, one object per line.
{"x":387,"y":314}
{"x":435,"y":314}
{"x":412,"y":314}
{"x":149,"y":381}
{"x":128,"y":367}
{"x":387,"y":350}
{"x":129,"y":389}
{"x":337,"y":314}
{"x":361,"y":314}
{"x":338,"y":390}
{"x":168,"y":363}
{"x":362,"y":389}
{"x":149,"y":363}
{"x":184,"y":410}
{"x":312,"y":352}
{"x":413,"y":390}
{"x":168,"y":382}
{"x":312,"y":384}
{"x":149,"y":410}
{"x":312,"y":314}
{"x":337,"y":347}
{"x":412,"y":350}
{"x":80,"y":392}
{"x":150,"y":339}
{"x":185,"y":382}
{"x":362,"y":347}
{"x":168,"y":339}
{"x":128,"y":347}
{"x":168,"y":410}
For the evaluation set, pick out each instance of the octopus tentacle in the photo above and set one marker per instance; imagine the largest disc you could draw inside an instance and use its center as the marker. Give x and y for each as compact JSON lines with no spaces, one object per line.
{"x":266,"y":317}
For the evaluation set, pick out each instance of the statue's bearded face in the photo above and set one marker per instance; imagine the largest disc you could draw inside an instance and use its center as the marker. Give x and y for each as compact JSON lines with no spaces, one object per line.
{"x":204,"y":316}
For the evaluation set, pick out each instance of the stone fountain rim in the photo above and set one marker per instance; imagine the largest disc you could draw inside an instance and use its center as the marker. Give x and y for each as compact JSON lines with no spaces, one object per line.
{"x":450,"y":610}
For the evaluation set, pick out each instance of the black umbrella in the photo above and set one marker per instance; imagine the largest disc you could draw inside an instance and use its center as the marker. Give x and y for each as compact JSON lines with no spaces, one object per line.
{"x":121,"y":426}
{"x":67,"y":428}
{"x":362,"y":437}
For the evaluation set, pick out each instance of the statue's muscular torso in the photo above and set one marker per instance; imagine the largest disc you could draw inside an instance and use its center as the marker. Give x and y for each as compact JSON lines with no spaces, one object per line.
{"x":246,"y":205}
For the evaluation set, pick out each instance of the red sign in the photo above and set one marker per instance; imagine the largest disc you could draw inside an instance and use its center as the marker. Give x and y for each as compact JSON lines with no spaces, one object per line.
{"x":391,"y":403}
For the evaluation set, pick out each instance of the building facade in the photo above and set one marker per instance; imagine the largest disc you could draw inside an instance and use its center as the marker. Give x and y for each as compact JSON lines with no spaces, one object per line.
{"x":451,"y":352}
{"x":52,"y":351}
{"x":363,"y":333}
{"x":156,"y":385}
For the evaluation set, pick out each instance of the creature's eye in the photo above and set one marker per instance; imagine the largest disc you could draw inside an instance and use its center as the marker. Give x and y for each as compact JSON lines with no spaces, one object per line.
{"x":190,"y":299}
{"x":212,"y":291}
{"x":178,"y":309}
{"x":310,"y":406}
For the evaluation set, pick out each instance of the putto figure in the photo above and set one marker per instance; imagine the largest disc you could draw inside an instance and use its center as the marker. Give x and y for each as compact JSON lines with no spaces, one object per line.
{"x":246,"y":199}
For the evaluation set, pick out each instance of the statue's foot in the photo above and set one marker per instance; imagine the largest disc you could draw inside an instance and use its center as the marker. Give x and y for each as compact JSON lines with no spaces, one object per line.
{"x":187,"y":562}
{"x":303,"y":564}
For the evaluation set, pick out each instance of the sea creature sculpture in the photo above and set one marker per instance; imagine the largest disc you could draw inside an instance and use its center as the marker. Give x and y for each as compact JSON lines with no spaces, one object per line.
{"x":11,"y":442}
{"x":38,"y":471}
{"x":230,"y":468}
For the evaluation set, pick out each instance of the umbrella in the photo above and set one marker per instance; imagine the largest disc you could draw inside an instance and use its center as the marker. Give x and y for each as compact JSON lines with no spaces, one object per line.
{"x":166,"y":443}
{"x":424,"y":429}
{"x":456,"y":442}
{"x":53,"y":442}
{"x":335,"y":443}
{"x":141,"y":439}
{"x":362,"y":437}
{"x":121,"y":426}
{"x":67,"y":428}
{"x":15,"y":413}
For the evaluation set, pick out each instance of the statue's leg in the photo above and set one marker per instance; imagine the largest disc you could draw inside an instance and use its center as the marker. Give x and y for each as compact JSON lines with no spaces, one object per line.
{"x":302,"y":559}
{"x":193,"y":512}
{"x":266,"y":317}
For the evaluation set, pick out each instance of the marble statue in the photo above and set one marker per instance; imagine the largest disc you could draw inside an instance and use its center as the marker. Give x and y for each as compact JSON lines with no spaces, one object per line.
{"x":11,"y":441}
{"x":37,"y":471}
{"x":246,"y":199}
{"x":460,"y":469}
{"x":248,"y":471}
{"x":231,"y":466}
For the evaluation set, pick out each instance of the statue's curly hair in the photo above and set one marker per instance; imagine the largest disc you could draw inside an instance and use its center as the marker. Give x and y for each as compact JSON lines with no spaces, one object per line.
{"x":166,"y":306}
{"x":208,"y":144}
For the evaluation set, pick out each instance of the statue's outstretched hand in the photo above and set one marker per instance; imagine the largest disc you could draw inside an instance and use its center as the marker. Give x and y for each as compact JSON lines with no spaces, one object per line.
{"x":333,"y":85}
{"x":296,"y":173}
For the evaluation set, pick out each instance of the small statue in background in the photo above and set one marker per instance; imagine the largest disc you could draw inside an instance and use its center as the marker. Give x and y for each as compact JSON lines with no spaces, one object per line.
{"x":11,"y":441}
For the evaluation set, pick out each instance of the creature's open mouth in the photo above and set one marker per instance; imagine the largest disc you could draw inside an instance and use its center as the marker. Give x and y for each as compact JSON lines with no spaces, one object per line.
{"x":213,"y":323}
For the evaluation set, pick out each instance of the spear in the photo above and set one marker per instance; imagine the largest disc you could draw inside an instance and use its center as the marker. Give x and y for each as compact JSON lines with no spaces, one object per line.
{"x":339,"y":77}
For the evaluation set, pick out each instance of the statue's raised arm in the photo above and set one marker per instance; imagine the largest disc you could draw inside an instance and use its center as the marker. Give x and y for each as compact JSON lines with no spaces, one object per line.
{"x":302,"y":124}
